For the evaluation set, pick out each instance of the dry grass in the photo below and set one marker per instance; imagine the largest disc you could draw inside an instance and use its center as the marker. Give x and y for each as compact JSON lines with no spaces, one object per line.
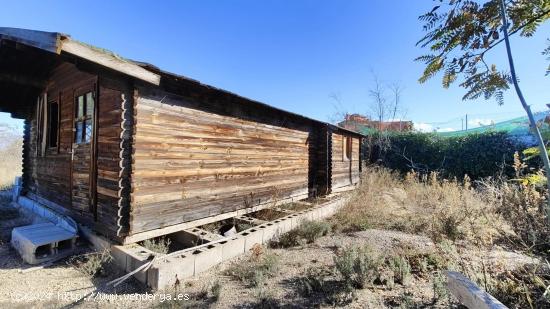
{"x":440,"y":209}
{"x":11,"y":153}
{"x":456,"y":214}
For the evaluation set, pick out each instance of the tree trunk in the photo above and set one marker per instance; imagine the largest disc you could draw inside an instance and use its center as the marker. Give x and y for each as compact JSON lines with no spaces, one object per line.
{"x":532,"y":122}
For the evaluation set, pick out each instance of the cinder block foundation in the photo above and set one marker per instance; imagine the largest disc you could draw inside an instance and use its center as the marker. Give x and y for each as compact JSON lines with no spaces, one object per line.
{"x":166,"y":272}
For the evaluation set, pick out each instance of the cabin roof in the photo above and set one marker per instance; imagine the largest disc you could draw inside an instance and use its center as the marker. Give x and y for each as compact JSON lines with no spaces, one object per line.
{"x":58,"y":43}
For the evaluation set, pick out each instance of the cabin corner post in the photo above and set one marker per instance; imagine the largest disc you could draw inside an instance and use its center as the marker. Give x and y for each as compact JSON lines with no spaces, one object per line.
{"x":26,"y":156}
{"x":328,"y":135}
{"x":125,"y":161}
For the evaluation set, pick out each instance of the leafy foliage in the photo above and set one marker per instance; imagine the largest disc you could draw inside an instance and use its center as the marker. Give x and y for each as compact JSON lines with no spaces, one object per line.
{"x":459,"y":33}
{"x":475,"y":155}
{"x":546,"y":52}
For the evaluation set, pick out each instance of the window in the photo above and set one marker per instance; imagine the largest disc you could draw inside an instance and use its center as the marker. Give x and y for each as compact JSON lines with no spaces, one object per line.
{"x":53,"y":124}
{"x":346,"y":149}
{"x":84,"y":117}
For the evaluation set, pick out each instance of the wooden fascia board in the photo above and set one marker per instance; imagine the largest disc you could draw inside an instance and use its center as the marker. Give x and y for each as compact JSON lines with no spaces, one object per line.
{"x":110,"y":61}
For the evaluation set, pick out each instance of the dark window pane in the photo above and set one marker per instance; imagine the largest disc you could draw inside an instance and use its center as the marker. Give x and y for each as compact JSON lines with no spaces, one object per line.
{"x":79,"y":126}
{"x":89,"y":129}
{"x":53,"y":118}
{"x":80,"y":107}
{"x":89,"y":104}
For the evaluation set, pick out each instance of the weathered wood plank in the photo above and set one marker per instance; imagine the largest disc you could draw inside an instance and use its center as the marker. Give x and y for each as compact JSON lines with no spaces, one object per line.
{"x":469,"y":294}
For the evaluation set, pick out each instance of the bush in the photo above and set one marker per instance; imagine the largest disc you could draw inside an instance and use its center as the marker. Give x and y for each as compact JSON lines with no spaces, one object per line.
{"x":313,"y":282}
{"x":289,"y":239}
{"x":311,"y":230}
{"x":308,"y":231}
{"x":358,"y":266}
{"x":161,"y":245}
{"x":475,"y":155}
{"x":254,"y":270}
{"x":93,"y":264}
{"x":216,"y":290}
{"x":401,"y":269}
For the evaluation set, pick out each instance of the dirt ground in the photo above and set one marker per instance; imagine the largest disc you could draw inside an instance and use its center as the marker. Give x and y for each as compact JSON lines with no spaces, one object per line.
{"x":62,"y":285}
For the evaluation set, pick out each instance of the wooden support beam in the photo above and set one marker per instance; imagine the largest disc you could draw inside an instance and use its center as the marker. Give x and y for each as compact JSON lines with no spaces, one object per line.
{"x":187,"y":225}
{"x":469,"y":294}
{"x":109,"y":60}
{"x":22,"y":80}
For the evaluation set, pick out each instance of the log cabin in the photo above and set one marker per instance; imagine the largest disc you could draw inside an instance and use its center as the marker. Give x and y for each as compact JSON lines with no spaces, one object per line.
{"x":135,"y":152}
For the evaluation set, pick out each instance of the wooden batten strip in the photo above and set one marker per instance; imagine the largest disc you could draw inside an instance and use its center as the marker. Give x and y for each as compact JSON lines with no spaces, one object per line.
{"x":121,"y":164}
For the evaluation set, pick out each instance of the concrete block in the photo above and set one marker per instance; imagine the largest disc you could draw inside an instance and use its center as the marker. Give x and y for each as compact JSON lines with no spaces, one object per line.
{"x":283,"y":225}
{"x":270,"y":231}
{"x":166,"y":272}
{"x":314,"y":214}
{"x":253,"y":236}
{"x":323,"y":213}
{"x":44,"y":242}
{"x":232,"y":247}
{"x":136,"y":256}
{"x":207,"y":257}
{"x":119,"y":257}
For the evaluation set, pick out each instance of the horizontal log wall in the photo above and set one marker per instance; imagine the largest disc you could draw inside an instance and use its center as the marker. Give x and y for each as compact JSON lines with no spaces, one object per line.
{"x":51,"y":176}
{"x":190,"y":163}
{"x":345,"y":171}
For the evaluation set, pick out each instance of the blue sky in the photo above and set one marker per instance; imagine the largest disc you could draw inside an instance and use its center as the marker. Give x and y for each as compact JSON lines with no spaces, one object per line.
{"x":290,"y":54}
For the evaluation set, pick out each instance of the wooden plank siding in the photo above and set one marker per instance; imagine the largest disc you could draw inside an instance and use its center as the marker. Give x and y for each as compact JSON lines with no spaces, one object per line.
{"x":53,"y":177}
{"x":345,"y":171}
{"x":190,"y":163}
{"x":50,"y":175}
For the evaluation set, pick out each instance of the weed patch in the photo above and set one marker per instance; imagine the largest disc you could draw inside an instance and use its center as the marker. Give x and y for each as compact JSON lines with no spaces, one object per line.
{"x":254,"y":271}
{"x":358,"y":266}
{"x":308,"y":231}
{"x":92,"y":264}
{"x":161,"y":245}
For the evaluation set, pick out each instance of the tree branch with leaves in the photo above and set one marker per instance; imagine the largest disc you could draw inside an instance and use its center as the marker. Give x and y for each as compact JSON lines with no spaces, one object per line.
{"x":460,"y":33}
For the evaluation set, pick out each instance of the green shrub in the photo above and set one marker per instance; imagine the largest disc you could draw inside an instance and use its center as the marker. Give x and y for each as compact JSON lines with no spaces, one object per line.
{"x":161,"y":245}
{"x":308,"y":231}
{"x":358,"y":266}
{"x":289,"y":239}
{"x":313,"y":282}
{"x":216,"y":290}
{"x":401,"y":269}
{"x":440,"y":287}
{"x":255,"y":270}
{"x":93,"y":264}
{"x":311,"y":230}
{"x":477,"y":155}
